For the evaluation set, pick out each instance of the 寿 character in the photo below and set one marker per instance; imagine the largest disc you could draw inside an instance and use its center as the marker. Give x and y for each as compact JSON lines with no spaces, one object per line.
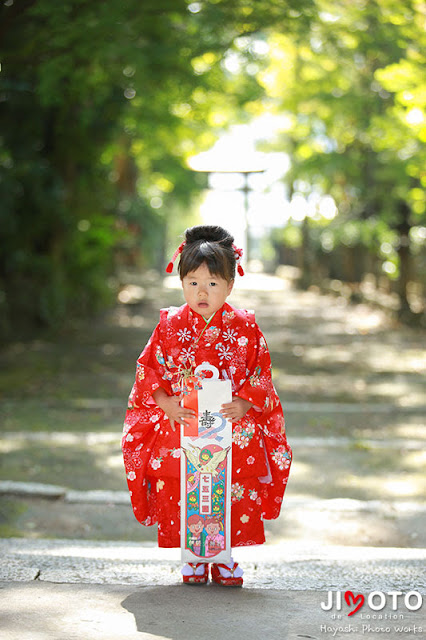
{"x":207,"y":419}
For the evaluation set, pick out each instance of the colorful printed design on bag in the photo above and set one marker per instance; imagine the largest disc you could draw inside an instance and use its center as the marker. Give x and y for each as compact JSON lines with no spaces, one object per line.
{"x":205,"y":505}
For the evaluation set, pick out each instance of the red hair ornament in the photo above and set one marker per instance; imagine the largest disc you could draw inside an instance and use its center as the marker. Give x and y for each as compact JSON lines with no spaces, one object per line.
{"x":169,"y":267}
{"x":238,"y":253}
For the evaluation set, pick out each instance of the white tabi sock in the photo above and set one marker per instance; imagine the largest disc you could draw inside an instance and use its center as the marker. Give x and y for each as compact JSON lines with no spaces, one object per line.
{"x":187,"y":570}
{"x":238,"y":573}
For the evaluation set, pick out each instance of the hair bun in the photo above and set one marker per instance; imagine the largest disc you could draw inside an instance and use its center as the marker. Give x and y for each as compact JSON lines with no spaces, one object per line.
{"x":208,"y":233}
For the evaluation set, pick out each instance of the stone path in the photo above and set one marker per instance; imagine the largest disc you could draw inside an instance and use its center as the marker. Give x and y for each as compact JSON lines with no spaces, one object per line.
{"x":287,"y":566}
{"x":115,"y":612}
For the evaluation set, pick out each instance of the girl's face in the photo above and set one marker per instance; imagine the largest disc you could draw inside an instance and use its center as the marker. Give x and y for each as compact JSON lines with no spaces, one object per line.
{"x":213,"y":528}
{"x":204,"y":292}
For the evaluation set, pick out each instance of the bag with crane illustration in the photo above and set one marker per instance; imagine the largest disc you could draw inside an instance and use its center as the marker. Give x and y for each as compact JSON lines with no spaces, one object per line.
{"x":206,"y":459}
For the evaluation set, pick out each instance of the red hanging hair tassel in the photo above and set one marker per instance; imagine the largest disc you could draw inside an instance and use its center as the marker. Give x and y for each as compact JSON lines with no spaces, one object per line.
{"x":169,"y":267}
{"x":238,"y":253}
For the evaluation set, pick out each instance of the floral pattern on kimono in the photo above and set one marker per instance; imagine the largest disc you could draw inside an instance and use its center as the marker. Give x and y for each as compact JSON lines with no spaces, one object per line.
{"x":261,"y":456}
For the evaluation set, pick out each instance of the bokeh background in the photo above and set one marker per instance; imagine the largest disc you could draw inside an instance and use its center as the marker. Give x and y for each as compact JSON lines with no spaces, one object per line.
{"x":300,"y":126}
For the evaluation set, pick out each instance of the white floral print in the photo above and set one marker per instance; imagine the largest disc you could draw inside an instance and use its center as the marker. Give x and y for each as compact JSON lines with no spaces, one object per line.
{"x":184,"y":335}
{"x":230,"y":335}
{"x":237,"y":492}
{"x":281,"y":457}
{"x":224,"y":352}
{"x":187,"y":354}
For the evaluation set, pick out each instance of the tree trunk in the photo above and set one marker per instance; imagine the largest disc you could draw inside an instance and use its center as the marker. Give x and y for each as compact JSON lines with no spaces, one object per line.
{"x":404,"y":256}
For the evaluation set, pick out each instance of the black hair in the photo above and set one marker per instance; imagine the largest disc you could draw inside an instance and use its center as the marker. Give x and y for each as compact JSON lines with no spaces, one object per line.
{"x":211,"y":245}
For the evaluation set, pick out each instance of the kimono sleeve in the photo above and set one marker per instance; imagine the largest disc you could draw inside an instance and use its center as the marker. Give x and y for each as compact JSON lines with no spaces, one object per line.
{"x":150,"y":373}
{"x":258,"y":387}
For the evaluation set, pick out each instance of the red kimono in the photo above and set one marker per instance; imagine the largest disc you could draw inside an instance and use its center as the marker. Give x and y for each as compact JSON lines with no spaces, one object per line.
{"x":261,"y":457}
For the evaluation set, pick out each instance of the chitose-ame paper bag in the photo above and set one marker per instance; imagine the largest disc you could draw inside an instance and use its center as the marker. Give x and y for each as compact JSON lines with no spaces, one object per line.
{"x":206,"y":459}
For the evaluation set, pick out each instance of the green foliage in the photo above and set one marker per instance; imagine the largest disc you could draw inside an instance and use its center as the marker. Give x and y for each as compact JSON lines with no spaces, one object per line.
{"x":101,"y":104}
{"x":290,"y":236}
{"x":354,"y":92}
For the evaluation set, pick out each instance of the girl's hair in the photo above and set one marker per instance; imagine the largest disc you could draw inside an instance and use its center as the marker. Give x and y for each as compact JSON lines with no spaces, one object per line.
{"x":213,"y":520}
{"x":211,"y":245}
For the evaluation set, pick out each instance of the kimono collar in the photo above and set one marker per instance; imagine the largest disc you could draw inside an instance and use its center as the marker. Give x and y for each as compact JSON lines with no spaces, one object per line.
{"x":199,"y":319}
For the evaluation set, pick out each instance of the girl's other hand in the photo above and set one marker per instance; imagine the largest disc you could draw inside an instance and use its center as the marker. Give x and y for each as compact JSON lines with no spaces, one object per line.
{"x":172,"y":408}
{"x":236,"y":409}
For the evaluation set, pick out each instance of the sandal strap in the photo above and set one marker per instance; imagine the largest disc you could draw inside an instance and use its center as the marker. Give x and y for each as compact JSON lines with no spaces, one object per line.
{"x":195,"y":566}
{"x":225,"y":566}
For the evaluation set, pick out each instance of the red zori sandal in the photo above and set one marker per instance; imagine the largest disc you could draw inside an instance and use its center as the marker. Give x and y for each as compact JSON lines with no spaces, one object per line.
{"x":228,"y":575}
{"x":195,"y":573}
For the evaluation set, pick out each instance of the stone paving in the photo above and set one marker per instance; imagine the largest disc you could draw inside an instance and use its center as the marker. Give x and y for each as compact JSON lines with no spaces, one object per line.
{"x":76,"y":590}
{"x":287,"y":566}
{"x":46,"y":611}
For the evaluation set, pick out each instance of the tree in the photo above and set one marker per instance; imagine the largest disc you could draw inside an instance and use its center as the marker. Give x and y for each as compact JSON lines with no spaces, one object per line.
{"x":101,"y":105}
{"x":353,"y":91}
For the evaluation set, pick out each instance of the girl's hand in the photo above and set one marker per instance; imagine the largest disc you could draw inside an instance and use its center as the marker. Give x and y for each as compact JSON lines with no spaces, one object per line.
{"x":236,"y":409}
{"x":172,"y":408}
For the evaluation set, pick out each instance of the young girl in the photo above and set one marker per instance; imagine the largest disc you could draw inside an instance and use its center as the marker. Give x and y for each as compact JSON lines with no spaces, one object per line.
{"x":206,"y":329}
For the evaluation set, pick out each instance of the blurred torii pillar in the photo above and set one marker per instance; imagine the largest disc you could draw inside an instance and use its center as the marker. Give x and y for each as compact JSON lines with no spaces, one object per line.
{"x":245,"y":189}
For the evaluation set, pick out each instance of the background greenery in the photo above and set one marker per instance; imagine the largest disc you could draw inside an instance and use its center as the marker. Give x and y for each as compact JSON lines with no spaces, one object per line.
{"x":102,"y":103}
